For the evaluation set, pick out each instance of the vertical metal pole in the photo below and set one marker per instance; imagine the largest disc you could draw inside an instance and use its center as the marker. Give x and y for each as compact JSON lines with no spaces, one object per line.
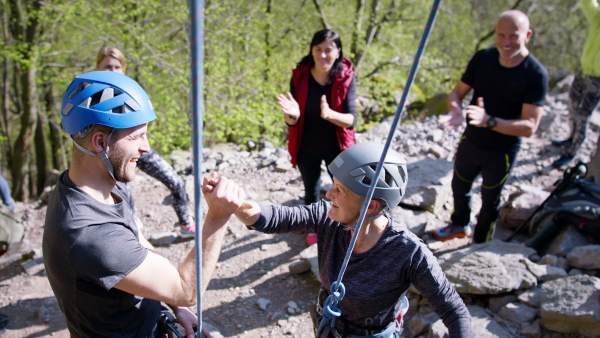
{"x":197,"y":78}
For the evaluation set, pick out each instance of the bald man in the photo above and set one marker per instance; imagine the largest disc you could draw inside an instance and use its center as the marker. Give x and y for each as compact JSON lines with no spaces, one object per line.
{"x":509,"y":89}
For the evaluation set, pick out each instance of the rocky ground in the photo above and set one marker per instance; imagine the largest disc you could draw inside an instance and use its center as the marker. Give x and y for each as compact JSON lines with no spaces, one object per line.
{"x":252,"y":293}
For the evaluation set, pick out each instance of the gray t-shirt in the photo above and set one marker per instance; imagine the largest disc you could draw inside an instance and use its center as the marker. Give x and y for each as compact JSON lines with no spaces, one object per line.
{"x":89,"y":247}
{"x":375,"y":280}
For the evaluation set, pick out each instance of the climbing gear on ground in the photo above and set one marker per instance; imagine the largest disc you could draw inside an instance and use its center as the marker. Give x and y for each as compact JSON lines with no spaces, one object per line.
{"x":571,"y":187}
{"x":452,"y":231}
{"x":562,"y":161}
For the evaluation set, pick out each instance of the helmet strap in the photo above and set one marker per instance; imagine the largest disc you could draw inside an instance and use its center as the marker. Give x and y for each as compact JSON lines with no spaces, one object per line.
{"x":103,"y":155}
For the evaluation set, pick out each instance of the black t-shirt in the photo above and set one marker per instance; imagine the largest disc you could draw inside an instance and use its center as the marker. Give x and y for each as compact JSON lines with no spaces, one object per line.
{"x":89,"y":247}
{"x":319,"y":135}
{"x":504,"y":91}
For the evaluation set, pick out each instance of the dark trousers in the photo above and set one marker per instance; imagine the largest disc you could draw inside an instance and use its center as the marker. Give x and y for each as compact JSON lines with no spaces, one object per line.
{"x":494,"y":167}
{"x":309,"y":164}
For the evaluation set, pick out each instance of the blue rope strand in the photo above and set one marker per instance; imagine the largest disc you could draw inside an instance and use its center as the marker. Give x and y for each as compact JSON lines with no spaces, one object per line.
{"x":409,"y":82}
{"x":197,"y":79}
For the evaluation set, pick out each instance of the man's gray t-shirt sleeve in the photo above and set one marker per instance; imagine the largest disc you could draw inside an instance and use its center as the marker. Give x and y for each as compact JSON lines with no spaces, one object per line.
{"x":115,"y":255}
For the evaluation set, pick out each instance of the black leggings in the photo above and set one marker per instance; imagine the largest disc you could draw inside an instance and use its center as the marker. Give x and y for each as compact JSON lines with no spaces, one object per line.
{"x":309,"y":164}
{"x":154,"y":165}
{"x":494,"y":167}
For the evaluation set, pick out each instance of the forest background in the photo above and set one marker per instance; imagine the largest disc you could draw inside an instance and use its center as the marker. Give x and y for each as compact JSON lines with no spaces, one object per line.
{"x":250,"y":48}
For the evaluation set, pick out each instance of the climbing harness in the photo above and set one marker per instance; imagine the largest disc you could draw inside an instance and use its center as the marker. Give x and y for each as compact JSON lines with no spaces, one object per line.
{"x":330,"y":310}
{"x":197,"y":78}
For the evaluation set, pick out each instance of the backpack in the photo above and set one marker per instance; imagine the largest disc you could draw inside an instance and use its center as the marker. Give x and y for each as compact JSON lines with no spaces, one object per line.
{"x":577,"y":204}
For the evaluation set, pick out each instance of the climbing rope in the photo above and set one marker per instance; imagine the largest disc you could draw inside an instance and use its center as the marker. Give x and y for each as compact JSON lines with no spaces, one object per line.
{"x":330,"y":310}
{"x":197,"y":78}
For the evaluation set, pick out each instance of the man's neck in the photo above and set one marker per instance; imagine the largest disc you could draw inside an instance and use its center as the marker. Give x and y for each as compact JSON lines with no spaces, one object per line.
{"x":515,"y":60}
{"x":90,"y":175}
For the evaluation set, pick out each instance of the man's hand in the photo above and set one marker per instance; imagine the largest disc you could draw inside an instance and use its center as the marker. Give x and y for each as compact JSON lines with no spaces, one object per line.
{"x":223,"y":195}
{"x":187,"y":319}
{"x":289,"y":105}
{"x":325,"y":110}
{"x":477,"y":115}
{"x":454,"y":118}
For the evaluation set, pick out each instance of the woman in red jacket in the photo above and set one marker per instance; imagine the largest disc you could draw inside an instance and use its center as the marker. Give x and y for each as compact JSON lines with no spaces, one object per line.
{"x":320,"y":109}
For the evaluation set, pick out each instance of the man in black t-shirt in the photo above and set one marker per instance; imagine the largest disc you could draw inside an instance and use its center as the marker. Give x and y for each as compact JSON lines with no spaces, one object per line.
{"x":509,"y":89}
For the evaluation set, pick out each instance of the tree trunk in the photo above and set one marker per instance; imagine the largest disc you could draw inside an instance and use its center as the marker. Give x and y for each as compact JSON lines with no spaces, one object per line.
{"x":24,"y":142}
{"x":55,"y":133}
{"x":41,"y":154}
{"x":28,"y":66}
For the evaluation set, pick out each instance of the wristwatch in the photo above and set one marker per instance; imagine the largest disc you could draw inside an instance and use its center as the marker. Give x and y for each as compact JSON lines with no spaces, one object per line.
{"x":492,"y":122}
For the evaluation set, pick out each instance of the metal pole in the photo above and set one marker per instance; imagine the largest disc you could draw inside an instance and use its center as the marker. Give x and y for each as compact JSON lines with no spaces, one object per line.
{"x":197,"y":78}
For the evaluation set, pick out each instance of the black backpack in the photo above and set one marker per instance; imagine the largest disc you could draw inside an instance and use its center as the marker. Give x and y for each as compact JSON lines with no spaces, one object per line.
{"x":576,"y":204}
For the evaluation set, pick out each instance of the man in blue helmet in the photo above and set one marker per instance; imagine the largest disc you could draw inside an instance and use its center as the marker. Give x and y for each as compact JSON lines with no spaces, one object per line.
{"x":107,"y":279}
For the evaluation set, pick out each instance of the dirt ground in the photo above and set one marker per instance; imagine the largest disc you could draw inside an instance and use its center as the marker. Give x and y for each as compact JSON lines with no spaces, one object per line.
{"x":253,"y":267}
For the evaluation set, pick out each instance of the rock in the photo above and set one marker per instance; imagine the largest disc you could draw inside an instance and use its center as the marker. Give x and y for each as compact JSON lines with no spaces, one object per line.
{"x":491,"y":268}
{"x":418,"y":325}
{"x":310,"y":254}
{"x":533,"y":330}
{"x":544,"y":272}
{"x":497,"y":303}
{"x":430,"y":188}
{"x":572,"y":305}
{"x":299,"y":266}
{"x":531,"y":297}
{"x":585,"y":257}
{"x":517,"y":312}
{"x":484,"y":325}
{"x":34,"y":266}
{"x":181,"y":161}
{"x":263,"y":303}
{"x":163,"y":238}
{"x":414,"y":220}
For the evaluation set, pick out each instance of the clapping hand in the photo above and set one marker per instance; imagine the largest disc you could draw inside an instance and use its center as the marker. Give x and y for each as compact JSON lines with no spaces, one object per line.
{"x":326,"y":112}
{"x":454,"y":118}
{"x":289,"y":105}
{"x":476,"y":114}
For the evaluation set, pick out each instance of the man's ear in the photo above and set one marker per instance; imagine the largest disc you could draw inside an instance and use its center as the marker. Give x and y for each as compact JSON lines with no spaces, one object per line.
{"x":99,"y":141}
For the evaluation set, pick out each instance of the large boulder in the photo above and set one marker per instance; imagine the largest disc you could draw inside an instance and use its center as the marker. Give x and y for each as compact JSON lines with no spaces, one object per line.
{"x":428,"y":184}
{"x":490,"y":268}
{"x":572,"y":305}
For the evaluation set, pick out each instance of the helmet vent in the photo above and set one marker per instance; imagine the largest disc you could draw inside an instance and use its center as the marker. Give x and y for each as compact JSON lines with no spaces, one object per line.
{"x":77,"y":89}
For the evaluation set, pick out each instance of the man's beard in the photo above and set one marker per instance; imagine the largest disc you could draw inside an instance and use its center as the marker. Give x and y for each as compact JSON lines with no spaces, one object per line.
{"x":120,"y":163}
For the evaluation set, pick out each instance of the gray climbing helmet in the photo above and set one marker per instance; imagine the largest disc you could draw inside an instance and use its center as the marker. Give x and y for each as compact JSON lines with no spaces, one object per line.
{"x":355,"y":169}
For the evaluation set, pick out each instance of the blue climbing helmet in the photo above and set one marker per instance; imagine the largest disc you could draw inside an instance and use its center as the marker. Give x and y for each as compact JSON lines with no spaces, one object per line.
{"x":355,"y":169}
{"x":107,"y":98}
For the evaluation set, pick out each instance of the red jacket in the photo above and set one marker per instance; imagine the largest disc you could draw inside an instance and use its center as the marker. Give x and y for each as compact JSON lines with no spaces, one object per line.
{"x":339,"y":88}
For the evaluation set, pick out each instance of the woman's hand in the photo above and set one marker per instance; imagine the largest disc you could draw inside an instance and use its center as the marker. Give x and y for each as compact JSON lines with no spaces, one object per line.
{"x":289,"y":106}
{"x":326,"y":112}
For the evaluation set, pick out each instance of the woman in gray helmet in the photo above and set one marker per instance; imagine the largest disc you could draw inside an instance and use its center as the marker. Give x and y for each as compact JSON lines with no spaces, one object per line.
{"x":387,"y":258}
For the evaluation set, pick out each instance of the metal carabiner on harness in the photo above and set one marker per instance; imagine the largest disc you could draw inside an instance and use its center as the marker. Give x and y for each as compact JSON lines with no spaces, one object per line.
{"x":330,"y":310}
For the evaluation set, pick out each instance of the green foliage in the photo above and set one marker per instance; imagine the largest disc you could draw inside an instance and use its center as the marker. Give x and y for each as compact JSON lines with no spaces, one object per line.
{"x":250,"y":49}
